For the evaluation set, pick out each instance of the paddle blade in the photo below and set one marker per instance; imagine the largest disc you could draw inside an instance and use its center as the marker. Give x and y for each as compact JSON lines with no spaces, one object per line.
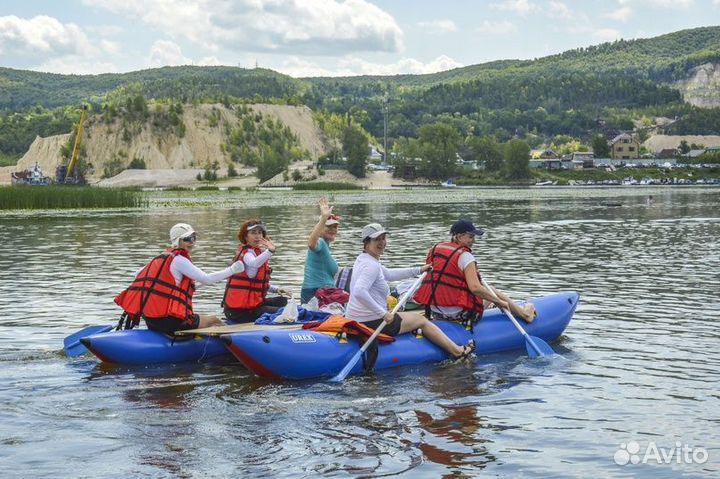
{"x":72,"y":345}
{"x":536,"y":347}
{"x":340,"y":377}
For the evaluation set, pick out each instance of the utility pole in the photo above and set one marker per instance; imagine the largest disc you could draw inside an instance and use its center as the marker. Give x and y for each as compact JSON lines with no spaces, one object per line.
{"x":385,"y":128}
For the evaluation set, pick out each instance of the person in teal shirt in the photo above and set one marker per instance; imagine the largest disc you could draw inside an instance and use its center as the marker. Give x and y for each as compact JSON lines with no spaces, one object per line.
{"x":320,"y":266}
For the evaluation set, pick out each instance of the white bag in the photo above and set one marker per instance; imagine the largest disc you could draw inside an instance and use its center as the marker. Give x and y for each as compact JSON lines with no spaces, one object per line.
{"x":313,"y":304}
{"x":290,"y":313}
{"x":334,"y":308}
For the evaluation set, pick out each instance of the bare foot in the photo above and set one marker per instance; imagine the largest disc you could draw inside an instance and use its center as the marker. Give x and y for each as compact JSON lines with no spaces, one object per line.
{"x":529,"y":313}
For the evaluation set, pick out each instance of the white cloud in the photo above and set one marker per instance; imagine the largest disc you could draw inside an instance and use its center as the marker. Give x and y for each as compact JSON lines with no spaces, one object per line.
{"x":559,"y":10}
{"x":351,"y":66}
{"x":621,"y":14}
{"x":674,"y":4}
{"x":496,"y":28}
{"x":110,"y":47}
{"x":670,"y":4}
{"x":521,"y":7}
{"x":41,"y":36}
{"x":439,"y":26}
{"x":317,"y":27}
{"x":211,"y":61}
{"x":164,"y":53}
{"x":606,"y":34}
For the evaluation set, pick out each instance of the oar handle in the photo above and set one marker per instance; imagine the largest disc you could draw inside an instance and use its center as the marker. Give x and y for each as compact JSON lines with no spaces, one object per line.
{"x":401,"y":302}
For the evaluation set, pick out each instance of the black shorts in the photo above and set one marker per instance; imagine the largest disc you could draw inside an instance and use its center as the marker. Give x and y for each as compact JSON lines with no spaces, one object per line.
{"x":169,"y":325}
{"x":391,"y":329}
{"x":270,"y":305}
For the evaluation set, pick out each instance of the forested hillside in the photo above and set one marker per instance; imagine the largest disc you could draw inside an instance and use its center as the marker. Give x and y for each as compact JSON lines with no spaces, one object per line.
{"x":578,"y":93}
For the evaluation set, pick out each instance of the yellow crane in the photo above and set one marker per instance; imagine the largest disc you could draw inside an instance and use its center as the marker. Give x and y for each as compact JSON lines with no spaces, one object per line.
{"x":66,"y":174}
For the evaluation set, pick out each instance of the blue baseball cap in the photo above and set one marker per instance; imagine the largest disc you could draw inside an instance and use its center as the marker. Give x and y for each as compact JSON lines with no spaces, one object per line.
{"x":464,"y":225}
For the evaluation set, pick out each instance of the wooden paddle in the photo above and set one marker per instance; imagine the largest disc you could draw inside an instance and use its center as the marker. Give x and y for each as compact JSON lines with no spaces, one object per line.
{"x":236,"y":328}
{"x":353,"y":361}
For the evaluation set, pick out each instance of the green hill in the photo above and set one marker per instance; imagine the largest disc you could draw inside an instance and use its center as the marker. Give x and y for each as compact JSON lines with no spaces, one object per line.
{"x":565,"y":93}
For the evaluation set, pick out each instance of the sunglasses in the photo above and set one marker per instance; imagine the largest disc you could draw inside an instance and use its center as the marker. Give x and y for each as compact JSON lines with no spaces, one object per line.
{"x":190,"y":239}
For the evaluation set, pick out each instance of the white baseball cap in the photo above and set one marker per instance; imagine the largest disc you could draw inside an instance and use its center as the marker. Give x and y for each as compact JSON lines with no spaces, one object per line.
{"x":372,"y":231}
{"x":180,"y":230}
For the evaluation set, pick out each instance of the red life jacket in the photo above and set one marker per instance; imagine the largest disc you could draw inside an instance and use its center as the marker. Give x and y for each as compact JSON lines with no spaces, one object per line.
{"x":153,"y":293}
{"x":243,"y":292}
{"x":446,"y":284}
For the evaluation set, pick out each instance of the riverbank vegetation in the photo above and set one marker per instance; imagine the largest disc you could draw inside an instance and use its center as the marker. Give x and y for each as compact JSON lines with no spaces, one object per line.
{"x":564,"y":102}
{"x":68,"y":197}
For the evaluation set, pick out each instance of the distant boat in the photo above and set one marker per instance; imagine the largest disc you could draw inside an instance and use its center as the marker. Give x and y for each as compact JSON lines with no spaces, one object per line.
{"x":448,"y":184}
{"x":546,"y":183}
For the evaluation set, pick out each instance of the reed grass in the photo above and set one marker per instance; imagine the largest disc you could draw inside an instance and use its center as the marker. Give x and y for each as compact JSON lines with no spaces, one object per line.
{"x":69,"y":197}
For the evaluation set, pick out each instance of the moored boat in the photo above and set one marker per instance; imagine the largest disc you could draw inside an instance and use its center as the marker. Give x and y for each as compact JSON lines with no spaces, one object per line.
{"x":309,"y":354}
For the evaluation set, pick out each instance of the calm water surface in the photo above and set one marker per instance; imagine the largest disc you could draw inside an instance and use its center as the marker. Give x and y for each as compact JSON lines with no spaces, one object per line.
{"x":640,"y":359}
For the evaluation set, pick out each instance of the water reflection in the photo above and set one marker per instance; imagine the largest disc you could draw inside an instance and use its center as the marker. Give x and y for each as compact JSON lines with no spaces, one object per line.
{"x":640,"y":354}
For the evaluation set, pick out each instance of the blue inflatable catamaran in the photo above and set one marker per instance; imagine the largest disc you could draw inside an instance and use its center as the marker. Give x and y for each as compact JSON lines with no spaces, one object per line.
{"x":305,"y":354}
{"x":288,"y":352}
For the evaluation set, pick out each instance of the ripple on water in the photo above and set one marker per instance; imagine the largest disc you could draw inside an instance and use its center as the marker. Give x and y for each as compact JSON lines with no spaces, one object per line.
{"x":638,"y":361}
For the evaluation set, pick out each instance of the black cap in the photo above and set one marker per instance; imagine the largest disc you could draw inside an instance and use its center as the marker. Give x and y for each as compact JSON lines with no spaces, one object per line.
{"x":464,"y":225}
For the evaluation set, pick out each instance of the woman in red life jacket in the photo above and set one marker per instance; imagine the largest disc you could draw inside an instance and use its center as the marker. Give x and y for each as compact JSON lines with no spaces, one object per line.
{"x":162,"y":290}
{"x":246,"y":292}
{"x":453,"y":290}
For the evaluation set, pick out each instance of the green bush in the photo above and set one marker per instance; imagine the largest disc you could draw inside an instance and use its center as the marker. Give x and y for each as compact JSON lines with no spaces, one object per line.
{"x":137,"y":164}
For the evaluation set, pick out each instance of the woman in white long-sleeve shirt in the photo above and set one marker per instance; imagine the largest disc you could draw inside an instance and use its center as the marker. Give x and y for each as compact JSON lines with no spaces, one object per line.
{"x":246,"y":293}
{"x":369,"y":290}
{"x":162,"y":291}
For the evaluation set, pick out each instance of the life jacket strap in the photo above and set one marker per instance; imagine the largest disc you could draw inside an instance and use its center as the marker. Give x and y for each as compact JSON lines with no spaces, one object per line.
{"x":127,"y":321}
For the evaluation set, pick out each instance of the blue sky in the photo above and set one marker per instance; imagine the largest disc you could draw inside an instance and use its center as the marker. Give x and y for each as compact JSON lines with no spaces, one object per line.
{"x":322,"y":37}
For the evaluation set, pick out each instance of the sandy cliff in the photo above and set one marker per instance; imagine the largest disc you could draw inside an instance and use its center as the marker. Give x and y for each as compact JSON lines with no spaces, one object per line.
{"x":163,"y":150}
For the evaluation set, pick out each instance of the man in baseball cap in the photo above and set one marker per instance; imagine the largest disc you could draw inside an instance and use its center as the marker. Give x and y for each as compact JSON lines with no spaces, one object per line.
{"x":454,"y":290}
{"x":464,"y":225}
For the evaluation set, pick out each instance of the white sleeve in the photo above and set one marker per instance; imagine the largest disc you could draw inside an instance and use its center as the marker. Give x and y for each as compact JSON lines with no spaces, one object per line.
{"x":182,"y":266}
{"x":396,"y":274}
{"x":465,"y":259}
{"x":365,"y":276}
{"x":253,"y":263}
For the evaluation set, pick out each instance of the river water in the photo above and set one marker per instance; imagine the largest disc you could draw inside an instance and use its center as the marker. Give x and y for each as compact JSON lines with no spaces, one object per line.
{"x":639,"y":365}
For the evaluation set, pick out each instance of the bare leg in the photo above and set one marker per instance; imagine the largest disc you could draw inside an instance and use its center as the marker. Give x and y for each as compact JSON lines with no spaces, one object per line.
{"x":207,"y":321}
{"x":527,"y":312}
{"x":412,"y":321}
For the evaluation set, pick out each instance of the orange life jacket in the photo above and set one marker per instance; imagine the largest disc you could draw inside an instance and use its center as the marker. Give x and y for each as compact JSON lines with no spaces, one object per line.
{"x":341,"y":324}
{"x":242,"y":292}
{"x":153,"y":293}
{"x":446,"y":284}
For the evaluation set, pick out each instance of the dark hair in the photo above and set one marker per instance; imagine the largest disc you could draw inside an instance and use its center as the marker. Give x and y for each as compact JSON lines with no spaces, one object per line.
{"x":242,"y":235}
